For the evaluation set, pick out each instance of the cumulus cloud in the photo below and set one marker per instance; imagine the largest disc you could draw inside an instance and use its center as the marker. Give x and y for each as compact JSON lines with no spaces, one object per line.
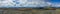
{"x":26,"y":3}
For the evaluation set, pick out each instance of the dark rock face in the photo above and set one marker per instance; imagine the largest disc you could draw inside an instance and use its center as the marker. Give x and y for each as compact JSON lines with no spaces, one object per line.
{"x":41,"y":7}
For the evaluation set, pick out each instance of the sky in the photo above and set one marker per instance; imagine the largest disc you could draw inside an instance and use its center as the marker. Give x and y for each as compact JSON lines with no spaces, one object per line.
{"x":31,"y":3}
{"x":55,"y":3}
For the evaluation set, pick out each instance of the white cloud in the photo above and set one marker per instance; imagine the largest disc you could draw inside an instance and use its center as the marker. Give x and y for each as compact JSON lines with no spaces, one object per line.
{"x":31,"y":4}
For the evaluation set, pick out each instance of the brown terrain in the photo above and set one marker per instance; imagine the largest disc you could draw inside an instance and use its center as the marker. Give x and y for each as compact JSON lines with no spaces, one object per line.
{"x":27,"y":11}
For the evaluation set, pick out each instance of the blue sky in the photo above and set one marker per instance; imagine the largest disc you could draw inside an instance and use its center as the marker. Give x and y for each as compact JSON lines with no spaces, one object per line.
{"x":54,"y":2}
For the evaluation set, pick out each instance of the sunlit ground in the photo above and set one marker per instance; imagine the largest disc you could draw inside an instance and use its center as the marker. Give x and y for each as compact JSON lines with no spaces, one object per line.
{"x":30,"y":11}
